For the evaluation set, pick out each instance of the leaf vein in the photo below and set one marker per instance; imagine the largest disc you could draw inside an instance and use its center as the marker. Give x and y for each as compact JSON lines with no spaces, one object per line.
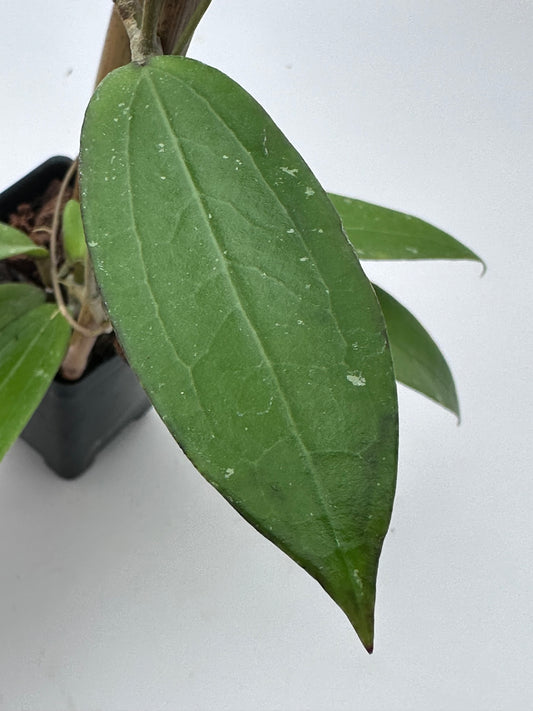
{"x":253,"y":331}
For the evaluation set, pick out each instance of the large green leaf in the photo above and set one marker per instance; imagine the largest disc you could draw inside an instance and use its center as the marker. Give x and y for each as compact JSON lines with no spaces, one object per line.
{"x":379,"y":233}
{"x":246,"y":315}
{"x":33,"y":340}
{"x":14,"y":242}
{"x":417,"y":359}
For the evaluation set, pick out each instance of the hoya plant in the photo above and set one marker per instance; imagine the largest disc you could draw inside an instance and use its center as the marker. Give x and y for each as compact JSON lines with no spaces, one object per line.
{"x":232,"y":282}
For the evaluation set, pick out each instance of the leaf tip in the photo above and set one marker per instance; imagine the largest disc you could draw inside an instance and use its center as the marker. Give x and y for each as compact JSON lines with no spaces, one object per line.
{"x":456,"y":410}
{"x":366,"y":636}
{"x":362,"y":621}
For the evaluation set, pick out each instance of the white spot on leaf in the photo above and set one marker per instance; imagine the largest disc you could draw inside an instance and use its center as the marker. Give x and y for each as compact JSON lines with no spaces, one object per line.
{"x":357,"y":578}
{"x":290,"y":171}
{"x":356,"y":379}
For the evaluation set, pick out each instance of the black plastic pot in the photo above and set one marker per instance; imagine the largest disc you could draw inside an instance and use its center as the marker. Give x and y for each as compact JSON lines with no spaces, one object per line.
{"x":76,"y":420}
{"x":31,"y":187}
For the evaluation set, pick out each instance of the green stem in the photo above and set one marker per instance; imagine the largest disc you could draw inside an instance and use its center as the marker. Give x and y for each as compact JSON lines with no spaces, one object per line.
{"x":183,"y":40}
{"x":143,"y":38}
{"x":150,"y":44}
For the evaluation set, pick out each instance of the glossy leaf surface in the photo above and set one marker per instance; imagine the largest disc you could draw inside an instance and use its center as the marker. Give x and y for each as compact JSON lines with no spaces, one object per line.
{"x":14,"y":242}
{"x":246,"y":315}
{"x":32,"y":345}
{"x":17,"y":299}
{"x":379,"y":233}
{"x":418,"y":362}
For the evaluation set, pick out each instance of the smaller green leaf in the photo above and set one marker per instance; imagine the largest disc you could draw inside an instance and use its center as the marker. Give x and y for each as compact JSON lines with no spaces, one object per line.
{"x":17,"y":299}
{"x":14,"y":242}
{"x":379,"y":233}
{"x":32,"y":346}
{"x":73,"y":235}
{"x":417,"y":359}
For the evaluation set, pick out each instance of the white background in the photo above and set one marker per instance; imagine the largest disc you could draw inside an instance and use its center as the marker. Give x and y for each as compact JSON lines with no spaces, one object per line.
{"x":138,"y":587}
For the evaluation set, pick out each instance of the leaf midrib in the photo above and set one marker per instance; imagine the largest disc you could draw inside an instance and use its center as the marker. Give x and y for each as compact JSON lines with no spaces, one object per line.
{"x":267,"y":185}
{"x":255,"y":335}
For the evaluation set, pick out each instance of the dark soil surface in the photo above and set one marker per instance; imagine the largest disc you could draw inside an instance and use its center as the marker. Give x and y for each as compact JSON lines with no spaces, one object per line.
{"x":35,"y":219}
